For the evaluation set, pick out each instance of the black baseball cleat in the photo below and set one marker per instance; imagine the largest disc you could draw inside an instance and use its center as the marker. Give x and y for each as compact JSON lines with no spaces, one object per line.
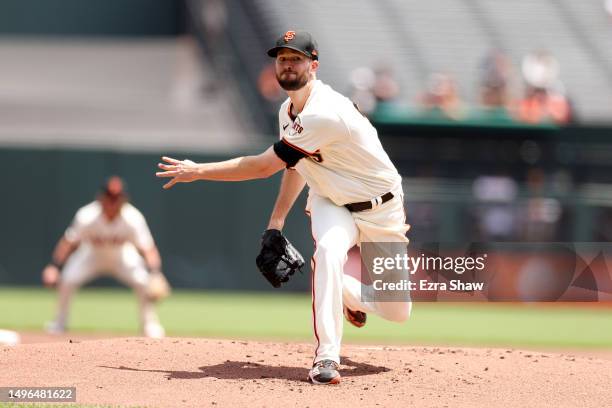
{"x":357,"y":319}
{"x":324,"y":372}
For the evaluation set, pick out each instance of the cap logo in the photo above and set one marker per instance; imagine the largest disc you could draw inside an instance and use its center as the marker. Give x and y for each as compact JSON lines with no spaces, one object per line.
{"x":289,"y":35}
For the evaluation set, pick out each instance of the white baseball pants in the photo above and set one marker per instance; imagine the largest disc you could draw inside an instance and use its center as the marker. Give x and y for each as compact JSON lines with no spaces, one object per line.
{"x":335,"y":231}
{"x":124,"y":264}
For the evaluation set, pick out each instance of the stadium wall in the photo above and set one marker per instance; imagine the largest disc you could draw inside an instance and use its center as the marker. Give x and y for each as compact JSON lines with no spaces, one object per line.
{"x":91,"y":17}
{"x":208,"y":233}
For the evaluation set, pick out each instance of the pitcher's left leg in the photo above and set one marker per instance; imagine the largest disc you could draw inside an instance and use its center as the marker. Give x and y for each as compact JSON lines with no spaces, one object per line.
{"x":385,"y":225}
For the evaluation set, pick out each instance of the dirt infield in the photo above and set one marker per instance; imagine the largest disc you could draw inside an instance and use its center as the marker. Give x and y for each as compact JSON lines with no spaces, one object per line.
{"x":176,"y":372}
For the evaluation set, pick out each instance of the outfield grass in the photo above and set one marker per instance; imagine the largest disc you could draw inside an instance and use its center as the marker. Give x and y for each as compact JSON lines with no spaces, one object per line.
{"x":282,"y":316}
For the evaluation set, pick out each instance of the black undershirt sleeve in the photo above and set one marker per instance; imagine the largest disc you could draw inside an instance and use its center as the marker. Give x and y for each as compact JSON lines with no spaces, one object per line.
{"x":287,"y":153}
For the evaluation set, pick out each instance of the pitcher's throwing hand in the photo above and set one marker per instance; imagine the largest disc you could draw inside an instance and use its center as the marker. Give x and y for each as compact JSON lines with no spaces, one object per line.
{"x":181,"y":171}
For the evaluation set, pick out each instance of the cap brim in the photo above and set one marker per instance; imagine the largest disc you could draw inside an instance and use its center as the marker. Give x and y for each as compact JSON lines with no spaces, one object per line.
{"x":273,"y":51}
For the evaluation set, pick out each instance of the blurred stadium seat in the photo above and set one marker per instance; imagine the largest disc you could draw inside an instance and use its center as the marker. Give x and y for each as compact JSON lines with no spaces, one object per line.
{"x":130,"y":94}
{"x":420,"y":38}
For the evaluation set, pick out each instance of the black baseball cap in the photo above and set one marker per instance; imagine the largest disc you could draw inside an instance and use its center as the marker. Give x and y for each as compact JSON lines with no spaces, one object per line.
{"x":300,"y":41}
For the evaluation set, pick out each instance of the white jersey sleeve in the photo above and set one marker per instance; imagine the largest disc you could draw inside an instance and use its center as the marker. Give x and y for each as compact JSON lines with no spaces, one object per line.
{"x":310,"y":133}
{"x":140,"y":234}
{"x":83,"y":218}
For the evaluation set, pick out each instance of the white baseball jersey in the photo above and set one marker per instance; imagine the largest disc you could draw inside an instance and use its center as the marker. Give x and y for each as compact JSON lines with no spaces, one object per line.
{"x":91,"y":228}
{"x":341,"y":156}
{"x":108,"y":248}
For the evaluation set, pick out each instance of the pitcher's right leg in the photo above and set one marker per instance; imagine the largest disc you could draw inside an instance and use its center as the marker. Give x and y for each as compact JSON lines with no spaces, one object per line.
{"x":334,"y":233}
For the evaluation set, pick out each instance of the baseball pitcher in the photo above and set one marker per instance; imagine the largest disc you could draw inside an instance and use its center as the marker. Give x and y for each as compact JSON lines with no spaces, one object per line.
{"x":355,"y":195}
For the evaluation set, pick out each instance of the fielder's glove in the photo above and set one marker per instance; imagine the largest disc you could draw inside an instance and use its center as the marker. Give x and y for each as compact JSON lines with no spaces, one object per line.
{"x":278,"y":259}
{"x":158,"y":287}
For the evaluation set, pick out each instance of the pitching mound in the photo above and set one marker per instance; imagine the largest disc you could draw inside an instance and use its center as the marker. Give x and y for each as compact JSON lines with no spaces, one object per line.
{"x":178,"y":372}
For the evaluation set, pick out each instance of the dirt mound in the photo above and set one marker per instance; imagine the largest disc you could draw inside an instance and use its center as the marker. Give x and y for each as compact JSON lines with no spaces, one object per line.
{"x":176,"y":372}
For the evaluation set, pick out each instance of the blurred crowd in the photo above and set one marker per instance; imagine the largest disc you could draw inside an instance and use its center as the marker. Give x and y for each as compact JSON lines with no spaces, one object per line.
{"x":532,"y":94}
{"x":535,"y":95}
{"x":502,"y":214}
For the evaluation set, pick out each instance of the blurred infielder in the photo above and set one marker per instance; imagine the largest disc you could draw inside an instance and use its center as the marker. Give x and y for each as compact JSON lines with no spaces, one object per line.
{"x":355,"y":195}
{"x":107,"y":236}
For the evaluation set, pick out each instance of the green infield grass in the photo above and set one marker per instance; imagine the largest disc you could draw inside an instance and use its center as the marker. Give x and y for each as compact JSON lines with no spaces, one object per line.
{"x":287,"y":316}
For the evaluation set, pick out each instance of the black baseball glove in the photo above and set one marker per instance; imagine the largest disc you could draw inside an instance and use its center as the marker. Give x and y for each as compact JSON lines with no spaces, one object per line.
{"x":278,"y":259}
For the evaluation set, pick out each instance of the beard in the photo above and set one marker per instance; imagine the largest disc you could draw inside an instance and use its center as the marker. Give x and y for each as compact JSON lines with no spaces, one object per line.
{"x":292,"y":84}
